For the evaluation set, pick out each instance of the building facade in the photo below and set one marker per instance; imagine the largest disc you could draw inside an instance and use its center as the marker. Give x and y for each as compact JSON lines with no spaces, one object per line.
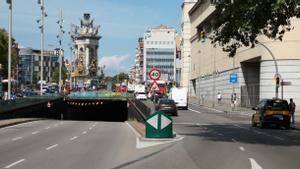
{"x":139,"y":62}
{"x":254,"y":67}
{"x":160,"y":52}
{"x":29,"y":65}
{"x":186,"y":44}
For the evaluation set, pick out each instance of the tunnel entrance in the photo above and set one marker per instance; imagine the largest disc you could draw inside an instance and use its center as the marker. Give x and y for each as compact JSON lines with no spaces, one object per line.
{"x":96,"y":110}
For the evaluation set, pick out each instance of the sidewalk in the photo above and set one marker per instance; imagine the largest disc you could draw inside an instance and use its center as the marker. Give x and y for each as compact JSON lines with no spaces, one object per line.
{"x":10,"y":122}
{"x":238,"y":110}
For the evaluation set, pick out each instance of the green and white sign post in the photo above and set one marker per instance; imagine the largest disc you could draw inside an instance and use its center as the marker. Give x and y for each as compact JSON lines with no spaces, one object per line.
{"x":159,"y":125}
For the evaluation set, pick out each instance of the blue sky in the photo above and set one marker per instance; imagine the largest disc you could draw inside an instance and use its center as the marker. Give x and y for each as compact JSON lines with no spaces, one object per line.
{"x":122,"y":22}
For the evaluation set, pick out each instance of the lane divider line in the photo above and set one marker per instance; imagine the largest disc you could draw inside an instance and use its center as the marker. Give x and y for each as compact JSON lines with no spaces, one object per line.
{"x":36,"y":132}
{"x":234,"y":140}
{"x":90,"y":128}
{"x":53,"y":146}
{"x":254,"y":164}
{"x":17,"y":138}
{"x":84,"y":132}
{"x":47,"y":128}
{"x":15,"y":163}
{"x":242,"y":148}
{"x":73,"y":138}
{"x":195,"y":111}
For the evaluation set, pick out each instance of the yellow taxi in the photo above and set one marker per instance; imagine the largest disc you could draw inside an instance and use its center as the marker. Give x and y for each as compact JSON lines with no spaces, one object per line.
{"x":271,"y":112}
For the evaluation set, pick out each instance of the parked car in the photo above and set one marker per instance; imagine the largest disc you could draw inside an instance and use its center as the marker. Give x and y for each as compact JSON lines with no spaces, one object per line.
{"x":168,"y":106}
{"x":272,"y":112}
{"x":141,"y":96}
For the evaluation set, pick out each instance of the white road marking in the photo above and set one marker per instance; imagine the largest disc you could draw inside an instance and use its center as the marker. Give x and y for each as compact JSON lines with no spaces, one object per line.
{"x":137,"y":134}
{"x":47,"y":128}
{"x":254,"y":164}
{"x":84,"y":132}
{"x":36,"y":132}
{"x":90,"y":128}
{"x":49,"y":148}
{"x":195,"y":111}
{"x":190,"y":123}
{"x":242,"y":148}
{"x":17,"y":138}
{"x":73,"y":138}
{"x":234,"y":140}
{"x":15,"y":163}
{"x":55,"y":125}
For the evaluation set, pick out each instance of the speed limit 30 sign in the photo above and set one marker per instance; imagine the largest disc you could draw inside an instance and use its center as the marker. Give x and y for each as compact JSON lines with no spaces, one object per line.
{"x":154,"y":74}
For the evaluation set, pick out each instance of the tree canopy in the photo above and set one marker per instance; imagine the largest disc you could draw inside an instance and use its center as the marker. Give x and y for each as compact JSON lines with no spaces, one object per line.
{"x":4,"y":53}
{"x":64,"y":75}
{"x":239,"y":22}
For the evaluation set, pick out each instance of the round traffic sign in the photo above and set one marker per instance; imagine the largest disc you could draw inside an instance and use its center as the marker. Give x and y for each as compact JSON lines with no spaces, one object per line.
{"x":154,"y":74}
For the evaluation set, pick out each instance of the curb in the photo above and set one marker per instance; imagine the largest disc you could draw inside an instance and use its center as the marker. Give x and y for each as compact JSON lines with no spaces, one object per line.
{"x":17,"y":122}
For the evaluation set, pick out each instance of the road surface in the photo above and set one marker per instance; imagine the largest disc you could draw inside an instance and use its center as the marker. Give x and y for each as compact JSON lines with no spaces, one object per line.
{"x":212,"y":140}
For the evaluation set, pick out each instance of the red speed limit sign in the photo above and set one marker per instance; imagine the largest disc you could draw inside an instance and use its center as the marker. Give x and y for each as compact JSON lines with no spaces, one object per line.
{"x":154,"y":74}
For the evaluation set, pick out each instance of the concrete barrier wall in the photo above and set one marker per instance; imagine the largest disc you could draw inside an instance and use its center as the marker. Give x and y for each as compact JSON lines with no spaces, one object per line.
{"x":31,"y":108}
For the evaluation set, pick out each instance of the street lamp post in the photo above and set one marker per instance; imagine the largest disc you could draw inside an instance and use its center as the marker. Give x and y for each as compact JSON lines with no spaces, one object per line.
{"x":43,"y":14}
{"x":61,"y":32}
{"x":276,"y":66}
{"x":9,"y":2}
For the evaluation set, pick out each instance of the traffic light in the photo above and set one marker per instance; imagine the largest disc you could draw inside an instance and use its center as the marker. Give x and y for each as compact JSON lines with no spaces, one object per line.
{"x":203,"y":36}
{"x":277,"y":82}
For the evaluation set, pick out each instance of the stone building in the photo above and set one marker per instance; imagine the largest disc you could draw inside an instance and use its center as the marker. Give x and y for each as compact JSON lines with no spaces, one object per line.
{"x":254,"y":67}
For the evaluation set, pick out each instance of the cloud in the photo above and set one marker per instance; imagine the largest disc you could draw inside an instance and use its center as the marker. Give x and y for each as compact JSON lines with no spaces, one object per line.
{"x":114,"y":64}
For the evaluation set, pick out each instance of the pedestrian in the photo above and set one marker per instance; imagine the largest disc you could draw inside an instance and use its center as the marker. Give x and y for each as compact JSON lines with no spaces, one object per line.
{"x":292,"y":107}
{"x":219,"y":96}
{"x":233,"y":101}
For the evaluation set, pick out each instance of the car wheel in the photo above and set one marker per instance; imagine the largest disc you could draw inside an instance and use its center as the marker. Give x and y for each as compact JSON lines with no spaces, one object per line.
{"x":261,"y":124}
{"x":287,"y":126}
{"x":253,"y":122}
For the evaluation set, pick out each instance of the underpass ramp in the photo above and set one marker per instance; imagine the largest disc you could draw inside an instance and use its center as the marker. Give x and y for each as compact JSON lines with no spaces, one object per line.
{"x":96,"y":106}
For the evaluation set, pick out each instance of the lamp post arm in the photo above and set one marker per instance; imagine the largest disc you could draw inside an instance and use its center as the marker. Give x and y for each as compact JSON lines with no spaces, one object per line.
{"x":273,"y":57}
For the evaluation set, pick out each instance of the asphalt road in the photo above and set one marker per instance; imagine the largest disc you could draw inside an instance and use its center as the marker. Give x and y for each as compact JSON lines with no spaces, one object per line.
{"x":212,"y":140}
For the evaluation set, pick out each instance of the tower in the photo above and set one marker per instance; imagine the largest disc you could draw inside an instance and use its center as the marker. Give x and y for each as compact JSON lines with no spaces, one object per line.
{"x":86,"y":43}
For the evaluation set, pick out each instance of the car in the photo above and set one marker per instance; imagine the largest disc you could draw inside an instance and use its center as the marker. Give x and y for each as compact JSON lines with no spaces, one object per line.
{"x":271,"y":112}
{"x":141,"y":96}
{"x":168,"y":106}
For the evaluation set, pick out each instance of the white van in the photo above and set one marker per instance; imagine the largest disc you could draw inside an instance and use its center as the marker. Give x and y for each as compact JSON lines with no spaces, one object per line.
{"x":180,"y":97}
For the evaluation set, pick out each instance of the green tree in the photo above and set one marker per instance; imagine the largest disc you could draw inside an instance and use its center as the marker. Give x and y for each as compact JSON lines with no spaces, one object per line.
{"x":120,"y":77}
{"x":4,"y":53}
{"x":239,"y":22}
{"x":64,"y":75}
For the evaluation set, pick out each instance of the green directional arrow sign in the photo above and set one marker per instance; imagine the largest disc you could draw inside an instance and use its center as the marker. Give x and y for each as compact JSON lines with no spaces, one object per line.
{"x":159,"y":125}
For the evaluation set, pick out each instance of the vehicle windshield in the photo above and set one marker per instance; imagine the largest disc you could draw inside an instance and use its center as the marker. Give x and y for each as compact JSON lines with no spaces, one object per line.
{"x":277,"y":105}
{"x":166,"y":101}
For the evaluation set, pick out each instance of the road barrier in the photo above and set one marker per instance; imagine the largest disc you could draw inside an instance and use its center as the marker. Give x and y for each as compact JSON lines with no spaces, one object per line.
{"x":138,"y":110}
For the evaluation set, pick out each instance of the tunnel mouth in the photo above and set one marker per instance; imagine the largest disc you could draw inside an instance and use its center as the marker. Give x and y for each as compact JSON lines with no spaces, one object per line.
{"x":96,"y":110}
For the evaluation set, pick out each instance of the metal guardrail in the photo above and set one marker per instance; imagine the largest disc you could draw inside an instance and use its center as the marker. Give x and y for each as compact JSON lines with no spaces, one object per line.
{"x":138,"y":110}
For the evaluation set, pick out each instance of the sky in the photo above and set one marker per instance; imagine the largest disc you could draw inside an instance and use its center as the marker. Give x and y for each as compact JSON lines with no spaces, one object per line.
{"x":122,"y":23}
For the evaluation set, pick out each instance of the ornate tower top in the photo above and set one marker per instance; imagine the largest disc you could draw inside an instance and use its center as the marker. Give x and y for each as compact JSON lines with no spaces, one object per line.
{"x":86,"y":28}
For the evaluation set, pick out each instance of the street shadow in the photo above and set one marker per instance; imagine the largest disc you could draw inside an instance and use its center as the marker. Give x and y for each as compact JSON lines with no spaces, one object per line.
{"x":243,"y":133}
